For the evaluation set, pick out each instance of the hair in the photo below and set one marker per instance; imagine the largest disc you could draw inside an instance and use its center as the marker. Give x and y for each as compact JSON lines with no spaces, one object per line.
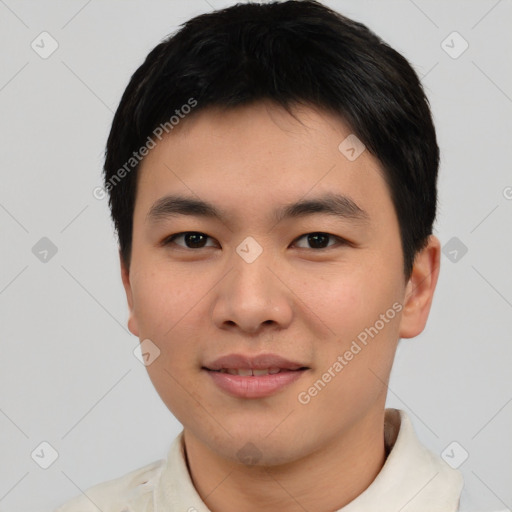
{"x":292,"y":52}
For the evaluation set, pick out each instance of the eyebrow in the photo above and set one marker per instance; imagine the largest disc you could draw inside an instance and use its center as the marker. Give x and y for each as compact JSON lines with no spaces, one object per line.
{"x":337,"y":205}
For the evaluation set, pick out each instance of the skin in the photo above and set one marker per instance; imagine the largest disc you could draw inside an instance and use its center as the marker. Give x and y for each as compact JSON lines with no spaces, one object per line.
{"x":304,"y":303}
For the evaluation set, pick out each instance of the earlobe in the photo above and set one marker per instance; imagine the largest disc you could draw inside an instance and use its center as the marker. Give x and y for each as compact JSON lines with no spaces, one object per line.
{"x":125,"y":276}
{"x":420,"y":289}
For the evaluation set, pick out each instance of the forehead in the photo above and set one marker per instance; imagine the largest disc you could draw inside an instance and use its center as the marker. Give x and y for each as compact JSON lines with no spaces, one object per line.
{"x":259,"y":154}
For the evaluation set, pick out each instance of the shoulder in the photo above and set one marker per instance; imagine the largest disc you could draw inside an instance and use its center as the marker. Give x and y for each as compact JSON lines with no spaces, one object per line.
{"x":131,"y":492}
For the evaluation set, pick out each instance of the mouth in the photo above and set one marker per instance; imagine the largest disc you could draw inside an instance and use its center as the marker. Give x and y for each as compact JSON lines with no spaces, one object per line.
{"x":254,"y":372}
{"x":243,"y":376}
{"x":253,"y":376}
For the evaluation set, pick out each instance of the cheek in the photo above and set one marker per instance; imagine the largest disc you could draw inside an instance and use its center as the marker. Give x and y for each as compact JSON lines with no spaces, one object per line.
{"x":163,"y":308}
{"x":347,"y":299}
{"x":167,"y":312}
{"x":173,"y":310}
{"x":357,"y":307}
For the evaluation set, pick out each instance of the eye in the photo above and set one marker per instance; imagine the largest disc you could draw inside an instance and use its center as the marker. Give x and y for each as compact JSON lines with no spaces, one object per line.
{"x":319,"y":240}
{"x":198,"y":240}
{"x":192,"y":239}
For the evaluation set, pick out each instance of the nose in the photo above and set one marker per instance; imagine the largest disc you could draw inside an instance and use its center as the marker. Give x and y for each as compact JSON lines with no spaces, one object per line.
{"x":253,"y":298}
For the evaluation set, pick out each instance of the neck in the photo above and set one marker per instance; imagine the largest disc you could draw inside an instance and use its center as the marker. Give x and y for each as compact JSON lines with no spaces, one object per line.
{"x":325,"y":480}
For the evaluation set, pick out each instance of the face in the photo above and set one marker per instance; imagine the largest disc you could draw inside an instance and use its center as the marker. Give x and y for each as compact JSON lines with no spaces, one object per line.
{"x":297,"y":255}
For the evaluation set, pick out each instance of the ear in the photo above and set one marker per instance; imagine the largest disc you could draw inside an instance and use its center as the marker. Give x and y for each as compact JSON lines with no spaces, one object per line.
{"x":125,"y":276}
{"x":420,"y":289}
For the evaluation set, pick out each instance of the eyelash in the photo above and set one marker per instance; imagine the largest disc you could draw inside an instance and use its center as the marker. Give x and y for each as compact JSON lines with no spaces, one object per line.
{"x":170,"y":239}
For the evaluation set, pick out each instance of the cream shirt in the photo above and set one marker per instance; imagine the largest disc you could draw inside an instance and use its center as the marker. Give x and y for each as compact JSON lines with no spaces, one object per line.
{"x":413,"y":479}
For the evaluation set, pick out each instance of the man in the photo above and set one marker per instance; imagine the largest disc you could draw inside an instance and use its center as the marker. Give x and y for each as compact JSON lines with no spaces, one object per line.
{"x":272,"y":175}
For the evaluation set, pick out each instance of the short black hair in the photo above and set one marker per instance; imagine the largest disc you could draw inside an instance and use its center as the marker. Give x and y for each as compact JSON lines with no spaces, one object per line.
{"x":292,"y":52}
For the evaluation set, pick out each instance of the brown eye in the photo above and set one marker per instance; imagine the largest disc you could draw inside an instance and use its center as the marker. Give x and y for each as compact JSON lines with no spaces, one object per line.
{"x":319,"y":240}
{"x":191,"y":239}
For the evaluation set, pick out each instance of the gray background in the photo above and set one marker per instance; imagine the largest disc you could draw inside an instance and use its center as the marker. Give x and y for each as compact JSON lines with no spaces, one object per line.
{"x":68,"y":374}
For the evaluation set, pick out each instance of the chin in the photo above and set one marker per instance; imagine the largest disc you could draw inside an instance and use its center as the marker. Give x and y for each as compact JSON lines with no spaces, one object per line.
{"x":261,"y":452}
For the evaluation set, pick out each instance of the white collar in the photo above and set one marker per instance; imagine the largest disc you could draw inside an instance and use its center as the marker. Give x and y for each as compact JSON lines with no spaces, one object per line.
{"x":412,"y":479}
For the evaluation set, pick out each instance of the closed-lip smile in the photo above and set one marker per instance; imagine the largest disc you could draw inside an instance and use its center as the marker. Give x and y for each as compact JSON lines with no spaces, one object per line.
{"x":246,"y":376}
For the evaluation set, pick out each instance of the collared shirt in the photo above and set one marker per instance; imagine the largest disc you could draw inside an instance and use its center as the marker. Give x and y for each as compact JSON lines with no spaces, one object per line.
{"x":413,"y":479}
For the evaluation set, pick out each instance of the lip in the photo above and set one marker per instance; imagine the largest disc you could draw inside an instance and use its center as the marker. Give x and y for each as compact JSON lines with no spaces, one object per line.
{"x":259,"y":362}
{"x":254,"y":386}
